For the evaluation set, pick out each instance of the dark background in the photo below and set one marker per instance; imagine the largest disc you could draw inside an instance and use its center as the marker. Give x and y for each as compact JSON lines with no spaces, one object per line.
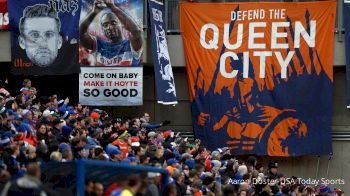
{"x":64,"y":86}
{"x":68,"y":86}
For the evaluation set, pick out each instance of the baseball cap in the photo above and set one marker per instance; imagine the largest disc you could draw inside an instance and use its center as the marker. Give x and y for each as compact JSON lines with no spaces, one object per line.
{"x":215,"y":153}
{"x":63,"y":146}
{"x":47,"y":113}
{"x":325,"y":189}
{"x":117,"y":120}
{"x":112,"y":150}
{"x":186,"y":155}
{"x":151,"y":134}
{"x":56,"y":122}
{"x":273,"y":165}
{"x":18,"y":117}
{"x":171,"y":161}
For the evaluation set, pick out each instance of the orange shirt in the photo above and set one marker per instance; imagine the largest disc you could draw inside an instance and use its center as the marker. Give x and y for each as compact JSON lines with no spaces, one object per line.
{"x":199,"y":193}
{"x":123,"y":146}
{"x":170,"y":169}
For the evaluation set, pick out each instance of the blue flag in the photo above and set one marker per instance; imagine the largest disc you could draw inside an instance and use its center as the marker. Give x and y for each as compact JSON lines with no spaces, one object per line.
{"x":347,"y":45}
{"x":165,"y":84}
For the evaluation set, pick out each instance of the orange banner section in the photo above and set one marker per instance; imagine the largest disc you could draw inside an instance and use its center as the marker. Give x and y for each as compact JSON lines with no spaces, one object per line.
{"x":266,"y":34}
{"x":261,"y":75}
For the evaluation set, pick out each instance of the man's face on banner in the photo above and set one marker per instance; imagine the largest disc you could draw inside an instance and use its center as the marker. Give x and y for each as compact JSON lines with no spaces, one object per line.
{"x":41,"y":40}
{"x":111,"y":27}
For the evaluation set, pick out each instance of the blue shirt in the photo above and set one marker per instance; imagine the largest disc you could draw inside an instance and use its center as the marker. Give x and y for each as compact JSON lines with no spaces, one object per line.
{"x":116,"y":54}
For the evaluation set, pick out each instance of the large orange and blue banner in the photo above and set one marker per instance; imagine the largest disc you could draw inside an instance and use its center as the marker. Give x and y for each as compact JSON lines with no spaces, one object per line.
{"x":261,"y":75}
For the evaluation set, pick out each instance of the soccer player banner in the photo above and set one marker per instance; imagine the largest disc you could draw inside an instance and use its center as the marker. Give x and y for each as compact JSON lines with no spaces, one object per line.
{"x":165,"y":84}
{"x":111,"y":33}
{"x":4,"y":18}
{"x":347,"y":45}
{"x":110,"y":38}
{"x":44,"y":36}
{"x":260,"y":75}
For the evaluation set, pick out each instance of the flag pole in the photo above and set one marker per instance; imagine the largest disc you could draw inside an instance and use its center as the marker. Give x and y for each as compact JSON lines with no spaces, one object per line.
{"x":318,"y":164}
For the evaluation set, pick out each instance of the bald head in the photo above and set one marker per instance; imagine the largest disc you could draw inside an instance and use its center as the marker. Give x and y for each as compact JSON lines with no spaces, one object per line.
{"x":109,"y":16}
{"x":111,"y":27}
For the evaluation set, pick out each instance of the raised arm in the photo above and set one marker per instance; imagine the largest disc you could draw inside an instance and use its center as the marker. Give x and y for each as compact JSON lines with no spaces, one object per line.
{"x":129,"y":24}
{"x":86,"y":39}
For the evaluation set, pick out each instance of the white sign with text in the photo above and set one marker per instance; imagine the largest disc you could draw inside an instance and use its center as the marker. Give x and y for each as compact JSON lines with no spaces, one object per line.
{"x":114,"y":86}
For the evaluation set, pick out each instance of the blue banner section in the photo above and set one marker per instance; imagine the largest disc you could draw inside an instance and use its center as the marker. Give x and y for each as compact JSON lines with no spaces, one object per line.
{"x":165,"y":84}
{"x":347,"y":47}
{"x":44,"y":36}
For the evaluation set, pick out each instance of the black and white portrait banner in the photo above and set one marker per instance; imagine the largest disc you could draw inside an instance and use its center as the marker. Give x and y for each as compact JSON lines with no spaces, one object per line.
{"x":44,"y":36}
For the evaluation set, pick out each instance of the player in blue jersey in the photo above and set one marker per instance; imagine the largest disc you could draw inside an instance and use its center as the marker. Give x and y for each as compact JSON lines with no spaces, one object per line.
{"x":115,"y":51}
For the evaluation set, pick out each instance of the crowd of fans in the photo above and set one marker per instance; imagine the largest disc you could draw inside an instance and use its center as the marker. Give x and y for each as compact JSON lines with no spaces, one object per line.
{"x":40,"y":129}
